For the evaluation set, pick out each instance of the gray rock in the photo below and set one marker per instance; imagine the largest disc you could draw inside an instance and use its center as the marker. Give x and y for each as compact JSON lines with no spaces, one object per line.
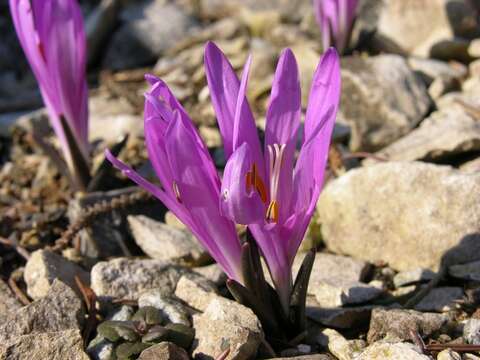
{"x":60,"y":310}
{"x":226,"y":323}
{"x":469,"y":271}
{"x":395,"y":325}
{"x":171,"y":309}
{"x":444,"y":133}
{"x":164,"y":351}
{"x":471,"y":331}
{"x":389,"y":351}
{"x":440,"y":299}
{"x":337,"y":291}
{"x":339,"y":318}
{"x":434,"y":21}
{"x":197,"y":293}
{"x":67,"y":344}
{"x":382,"y":99}
{"x":448,"y":354}
{"x":163,"y":242}
{"x":44,"y":267}
{"x":338,"y":345}
{"x":107,"y":235}
{"x":409,"y":277}
{"x":213,"y":273}
{"x":377,"y":212}
{"x":431,"y":69}
{"x":148,"y":29}
{"x":306,"y":357}
{"x":8,"y":301}
{"x":126,"y":278}
{"x":441,"y":86}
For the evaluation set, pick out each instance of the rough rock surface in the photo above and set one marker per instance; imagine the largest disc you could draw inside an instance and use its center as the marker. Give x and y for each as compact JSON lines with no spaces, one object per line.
{"x":170,"y":308}
{"x":8,"y":301}
{"x":382,"y":99}
{"x":440,"y":299}
{"x":197,"y":294}
{"x":338,"y":345}
{"x":163,"y":242}
{"x":377,"y":212}
{"x":409,"y":277}
{"x":395,"y":324}
{"x":60,"y":310}
{"x":164,"y":351}
{"x":226,"y":323}
{"x":469,"y":271}
{"x":126,"y":278}
{"x":44,"y":266}
{"x":388,"y":351}
{"x":61,"y":345}
{"x":445,"y":133}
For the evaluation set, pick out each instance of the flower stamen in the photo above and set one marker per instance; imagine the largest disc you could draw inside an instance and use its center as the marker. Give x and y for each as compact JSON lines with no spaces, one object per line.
{"x":253,"y":180}
{"x":176,"y":191}
{"x":275,"y":152}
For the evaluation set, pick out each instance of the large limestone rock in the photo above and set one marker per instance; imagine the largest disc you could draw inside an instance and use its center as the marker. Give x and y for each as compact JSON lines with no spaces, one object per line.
{"x":8,"y":301}
{"x":388,"y":351}
{"x":50,"y":345}
{"x":382,"y":99}
{"x":435,"y":22}
{"x":445,"y":133}
{"x":226,"y":323}
{"x":399,"y":212}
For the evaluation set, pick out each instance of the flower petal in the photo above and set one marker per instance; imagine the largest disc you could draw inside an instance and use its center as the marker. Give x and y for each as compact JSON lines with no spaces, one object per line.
{"x":240,"y":201}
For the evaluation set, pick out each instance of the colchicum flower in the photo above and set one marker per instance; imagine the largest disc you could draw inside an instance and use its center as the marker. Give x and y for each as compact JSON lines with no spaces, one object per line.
{"x":52,"y":35}
{"x":265,"y":189}
{"x":335,"y":18}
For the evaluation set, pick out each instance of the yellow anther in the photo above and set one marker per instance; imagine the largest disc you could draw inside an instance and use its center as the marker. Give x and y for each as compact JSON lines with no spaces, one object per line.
{"x":272,"y":212}
{"x":176,"y":191}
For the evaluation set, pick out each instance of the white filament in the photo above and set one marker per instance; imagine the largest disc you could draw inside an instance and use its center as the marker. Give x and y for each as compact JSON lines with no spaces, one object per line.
{"x":276,"y":158}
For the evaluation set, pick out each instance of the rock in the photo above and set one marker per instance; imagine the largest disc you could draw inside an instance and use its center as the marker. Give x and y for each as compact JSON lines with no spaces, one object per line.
{"x":173,"y":221}
{"x":212,"y":273}
{"x":337,"y":291}
{"x":412,"y":276}
{"x":306,"y":357}
{"x":125,"y":278}
{"x":163,"y":242}
{"x":339,"y":318}
{"x":171,"y":309}
{"x":111,"y":118}
{"x":451,"y":49}
{"x":469,"y":271}
{"x":474,"y":68}
{"x":388,"y":351}
{"x":470,"y":357}
{"x":146,"y":34}
{"x":431,"y":69}
{"x":434,"y":21}
{"x":44,"y":267}
{"x":338,"y":345}
{"x":471,"y":331}
{"x":444,"y":133}
{"x":224,"y":324}
{"x":448,"y":354}
{"x":474,"y":48}
{"x":8,"y":301}
{"x":67,"y":344}
{"x":164,"y":351}
{"x":196,"y":293}
{"x":440,"y":86}
{"x":60,"y":310}
{"x":108,"y":235}
{"x":395,"y":325}
{"x":382,"y":99}
{"x":440,"y":299}
{"x":374,"y":213}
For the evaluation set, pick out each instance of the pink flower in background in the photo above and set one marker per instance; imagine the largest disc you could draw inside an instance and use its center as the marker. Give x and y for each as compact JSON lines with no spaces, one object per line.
{"x":335,"y":18}
{"x":51,"y":33}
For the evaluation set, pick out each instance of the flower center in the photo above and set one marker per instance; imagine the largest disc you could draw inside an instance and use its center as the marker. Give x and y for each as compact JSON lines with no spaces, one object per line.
{"x":275,"y":153}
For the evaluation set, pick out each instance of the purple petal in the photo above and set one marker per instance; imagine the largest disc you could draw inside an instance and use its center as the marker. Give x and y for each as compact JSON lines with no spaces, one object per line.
{"x":283,"y":118}
{"x":200,"y":197}
{"x":240,"y":201}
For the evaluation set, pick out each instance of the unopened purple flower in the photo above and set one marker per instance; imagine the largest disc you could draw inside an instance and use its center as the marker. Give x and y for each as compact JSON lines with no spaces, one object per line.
{"x":271,"y":192}
{"x":190,"y":185}
{"x":52,"y":36}
{"x":335,"y":18}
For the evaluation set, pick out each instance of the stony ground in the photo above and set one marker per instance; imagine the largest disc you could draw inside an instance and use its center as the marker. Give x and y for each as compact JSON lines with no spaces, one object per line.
{"x":397,"y":229}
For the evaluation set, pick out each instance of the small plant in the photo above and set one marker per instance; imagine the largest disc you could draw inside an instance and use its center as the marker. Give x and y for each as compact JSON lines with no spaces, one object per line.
{"x":335,"y":18}
{"x":143,"y":330}
{"x":267,"y":190}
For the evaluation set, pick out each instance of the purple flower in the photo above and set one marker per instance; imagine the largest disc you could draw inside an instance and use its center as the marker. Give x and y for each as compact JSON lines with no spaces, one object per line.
{"x":335,"y":18}
{"x":271,"y":192}
{"x":52,"y":36}
{"x":190,"y":185}
{"x":265,"y":189}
